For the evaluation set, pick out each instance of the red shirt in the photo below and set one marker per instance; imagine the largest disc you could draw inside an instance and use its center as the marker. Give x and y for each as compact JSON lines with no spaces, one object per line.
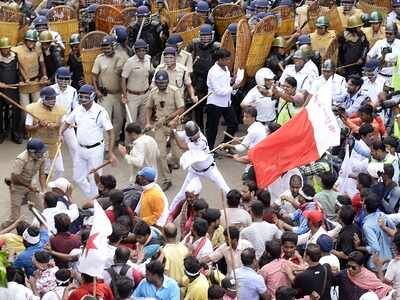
{"x":64,"y":242}
{"x":102,"y":290}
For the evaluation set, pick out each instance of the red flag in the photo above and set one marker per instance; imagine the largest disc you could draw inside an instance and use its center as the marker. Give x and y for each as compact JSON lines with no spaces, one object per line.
{"x":300,"y":141}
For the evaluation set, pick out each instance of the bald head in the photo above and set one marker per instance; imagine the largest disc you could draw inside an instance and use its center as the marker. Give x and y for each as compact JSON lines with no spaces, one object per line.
{"x":170,"y":231}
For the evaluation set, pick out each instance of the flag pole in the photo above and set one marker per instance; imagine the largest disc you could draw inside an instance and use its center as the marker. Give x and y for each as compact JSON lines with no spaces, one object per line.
{"x":94,"y":286}
{"x":229,"y":237}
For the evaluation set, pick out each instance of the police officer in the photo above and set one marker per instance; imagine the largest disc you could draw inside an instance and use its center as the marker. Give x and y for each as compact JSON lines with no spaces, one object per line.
{"x":183,"y":57}
{"x":122,"y":48}
{"x":203,"y":9}
{"x":106,"y":74}
{"x":346,"y":10}
{"x":178,"y":74}
{"x":9,"y":74}
{"x":32,"y":67}
{"x":91,"y":121}
{"x":276,"y":60}
{"x":88,"y":18}
{"x":151,"y":33}
{"x":394,"y":15}
{"x":75,"y":61}
{"x":373,"y":84}
{"x":261,"y":6}
{"x":27,"y":164}
{"x":135,"y":82}
{"x":321,"y":38}
{"x":389,"y":44}
{"x":46,"y":128}
{"x":67,"y":97}
{"x":376,"y":31}
{"x":42,"y":24}
{"x":202,"y":50}
{"x":353,"y":46}
{"x":53,"y":54}
{"x":167,"y":103}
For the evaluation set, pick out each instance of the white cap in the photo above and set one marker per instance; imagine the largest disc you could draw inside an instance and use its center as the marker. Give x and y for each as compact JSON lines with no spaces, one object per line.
{"x":374,"y":168}
{"x":369,"y":296}
{"x":262,"y":74}
{"x":60,"y":183}
{"x":194,"y":186}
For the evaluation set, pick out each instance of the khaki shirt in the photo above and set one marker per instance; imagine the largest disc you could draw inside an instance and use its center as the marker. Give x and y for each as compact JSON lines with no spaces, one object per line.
{"x":137,"y":72}
{"x":184,"y":58}
{"x":29,"y":60}
{"x":373,"y":37}
{"x":344,"y":17}
{"x":165,"y":102}
{"x":109,"y":71}
{"x":178,"y":77}
{"x":121,"y":53}
{"x":320,"y":43}
{"x":27,"y":167}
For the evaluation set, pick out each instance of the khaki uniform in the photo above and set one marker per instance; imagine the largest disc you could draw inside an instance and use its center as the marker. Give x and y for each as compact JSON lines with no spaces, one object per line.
{"x":178,"y":77}
{"x":164,"y":103}
{"x":373,"y":37}
{"x":121,"y":53}
{"x":27,"y":168}
{"x":344,"y":17}
{"x":29,"y":61}
{"x":109,"y":71}
{"x":320,"y":43}
{"x":184,"y":58}
{"x":138,"y":73}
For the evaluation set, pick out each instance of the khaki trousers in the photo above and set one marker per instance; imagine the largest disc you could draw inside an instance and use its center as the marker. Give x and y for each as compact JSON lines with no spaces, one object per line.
{"x":112,"y":104}
{"x":161,"y":135}
{"x":137,"y":108}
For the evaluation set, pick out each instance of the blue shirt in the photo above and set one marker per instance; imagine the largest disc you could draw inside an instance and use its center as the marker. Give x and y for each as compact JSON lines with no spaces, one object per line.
{"x":251,"y":284}
{"x":24,"y":259}
{"x":168,"y":291}
{"x":377,"y":240}
{"x":300,"y":219}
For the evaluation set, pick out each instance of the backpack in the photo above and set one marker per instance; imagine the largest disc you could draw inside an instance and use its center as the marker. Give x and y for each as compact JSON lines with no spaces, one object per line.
{"x":115,"y":276}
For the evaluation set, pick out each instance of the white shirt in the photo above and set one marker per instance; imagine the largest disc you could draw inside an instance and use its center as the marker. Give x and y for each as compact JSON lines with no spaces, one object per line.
{"x":219,"y":84}
{"x":199,"y":151}
{"x":304,"y":77}
{"x":144,"y":153}
{"x":55,"y":294}
{"x":372,"y":89}
{"x":338,"y":85}
{"x":376,"y":50}
{"x":281,"y":184}
{"x":16,"y":291}
{"x":255,"y":134}
{"x":265,"y":106}
{"x":50,"y":212}
{"x":91,"y":123}
{"x":68,"y":98}
{"x":391,"y":17}
{"x":393,"y":275}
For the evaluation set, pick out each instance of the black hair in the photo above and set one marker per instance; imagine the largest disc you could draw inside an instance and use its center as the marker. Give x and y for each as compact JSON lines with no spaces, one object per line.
{"x":356,"y":80}
{"x":124,"y":286}
{"x":308,"y":190}
{"x":121,"y":255}
{"x":391,"y":141}
{"x":274,"y":248}
{"x":200,"y":204}
{"x":251,"y":185}
{"x":248,"y":256}
{"x":63,"y":275}
{"x":265,"y":197}
{"x":347,"y":214}
{"x":62,"y":222}
{"x":108,"y":181}
{"x":141,"y":228}
{"x":357,"y":257}
{"x":42,"y":257}
{"x":221,"y":53}
{"x":285,"y":293}
{"x":86,"y":277}
{"x":133,"y":128}
{"x":328,"y":180}
{"x":33,"y":231}
{"x":291,"y":81}
{"x":117,"y":200}
{"x":372,"y":202}
{"x":50,"y":198}
{"x":257,"y":208}
{"x":170,"y":234}
{"x":119,"y":232}
{"x":344,"y":199}
{"x":85,"y":232}
{"x":191,"y":264}
{"x":200,"y":225}
{"x":365,"y":180}
{"x":365,"y":129}
{"x":378,"y":145}
{"x":233,"y":198}
{"x":155,"y":267}
{"x":289,"y":236}
{"x":396,"y":241}
{"x":250,"y":110}
{"x":366,"y":109}
{"x":234,"y":232}
{"x":21,"y":227}
{"x":314,"y":252}
{"x":16,"y":275}
{"x":388,"y":170}
{"x":215,"y":292}
{"x":211,"y":215}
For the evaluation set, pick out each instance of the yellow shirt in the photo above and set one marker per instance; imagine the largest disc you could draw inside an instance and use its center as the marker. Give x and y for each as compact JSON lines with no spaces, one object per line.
{"x":218,"y":237}
{"x":13,"y":243}
{"x":197,"y":289}
{"x":174,"y":255}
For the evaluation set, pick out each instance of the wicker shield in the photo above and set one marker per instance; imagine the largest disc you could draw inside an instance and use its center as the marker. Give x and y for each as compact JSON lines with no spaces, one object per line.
{"x":129,"y":15}
{"x":61,"y":13}
{"x":243,"y":41}
{"x":369,"y":6}
{"x":107,"y":17}
{"x":11,"y":22}
{"x":91,"y":47}
{"x":285,"y":16}
{"x":225,"y":14}
{"x":335,"y":22}
{"x":227,"y":43}
{"x":188,"y":27}
{"x":261,"y":42}
{"x":331,"y":52}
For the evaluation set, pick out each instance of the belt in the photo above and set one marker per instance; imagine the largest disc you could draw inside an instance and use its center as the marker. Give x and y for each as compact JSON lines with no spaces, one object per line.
{"x":206,"y":169}
{"x":137,"y":93}
{"x":91,"y":146}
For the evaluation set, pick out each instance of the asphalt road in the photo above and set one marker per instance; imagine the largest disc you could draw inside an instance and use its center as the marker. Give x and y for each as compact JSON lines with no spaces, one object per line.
{"x":231,"y":170}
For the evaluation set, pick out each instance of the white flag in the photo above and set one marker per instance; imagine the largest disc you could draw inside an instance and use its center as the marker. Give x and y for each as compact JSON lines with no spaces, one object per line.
{"x":94,"y":257}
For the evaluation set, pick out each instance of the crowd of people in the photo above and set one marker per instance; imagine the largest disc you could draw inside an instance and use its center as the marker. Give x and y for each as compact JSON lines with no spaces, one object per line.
{"x":325,"y":230}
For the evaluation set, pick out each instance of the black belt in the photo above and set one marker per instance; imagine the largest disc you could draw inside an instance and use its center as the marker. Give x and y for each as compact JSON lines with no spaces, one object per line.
{"x":91,"y":146}
{"x":206,"y":169}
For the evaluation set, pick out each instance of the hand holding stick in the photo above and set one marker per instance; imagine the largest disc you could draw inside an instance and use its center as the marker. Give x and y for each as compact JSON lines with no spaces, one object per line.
{"x":106,"y":163}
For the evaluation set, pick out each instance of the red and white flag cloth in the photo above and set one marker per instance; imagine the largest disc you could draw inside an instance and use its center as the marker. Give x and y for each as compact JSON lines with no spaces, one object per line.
{"x":302,"y":140}
{"x":94,"y":257}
